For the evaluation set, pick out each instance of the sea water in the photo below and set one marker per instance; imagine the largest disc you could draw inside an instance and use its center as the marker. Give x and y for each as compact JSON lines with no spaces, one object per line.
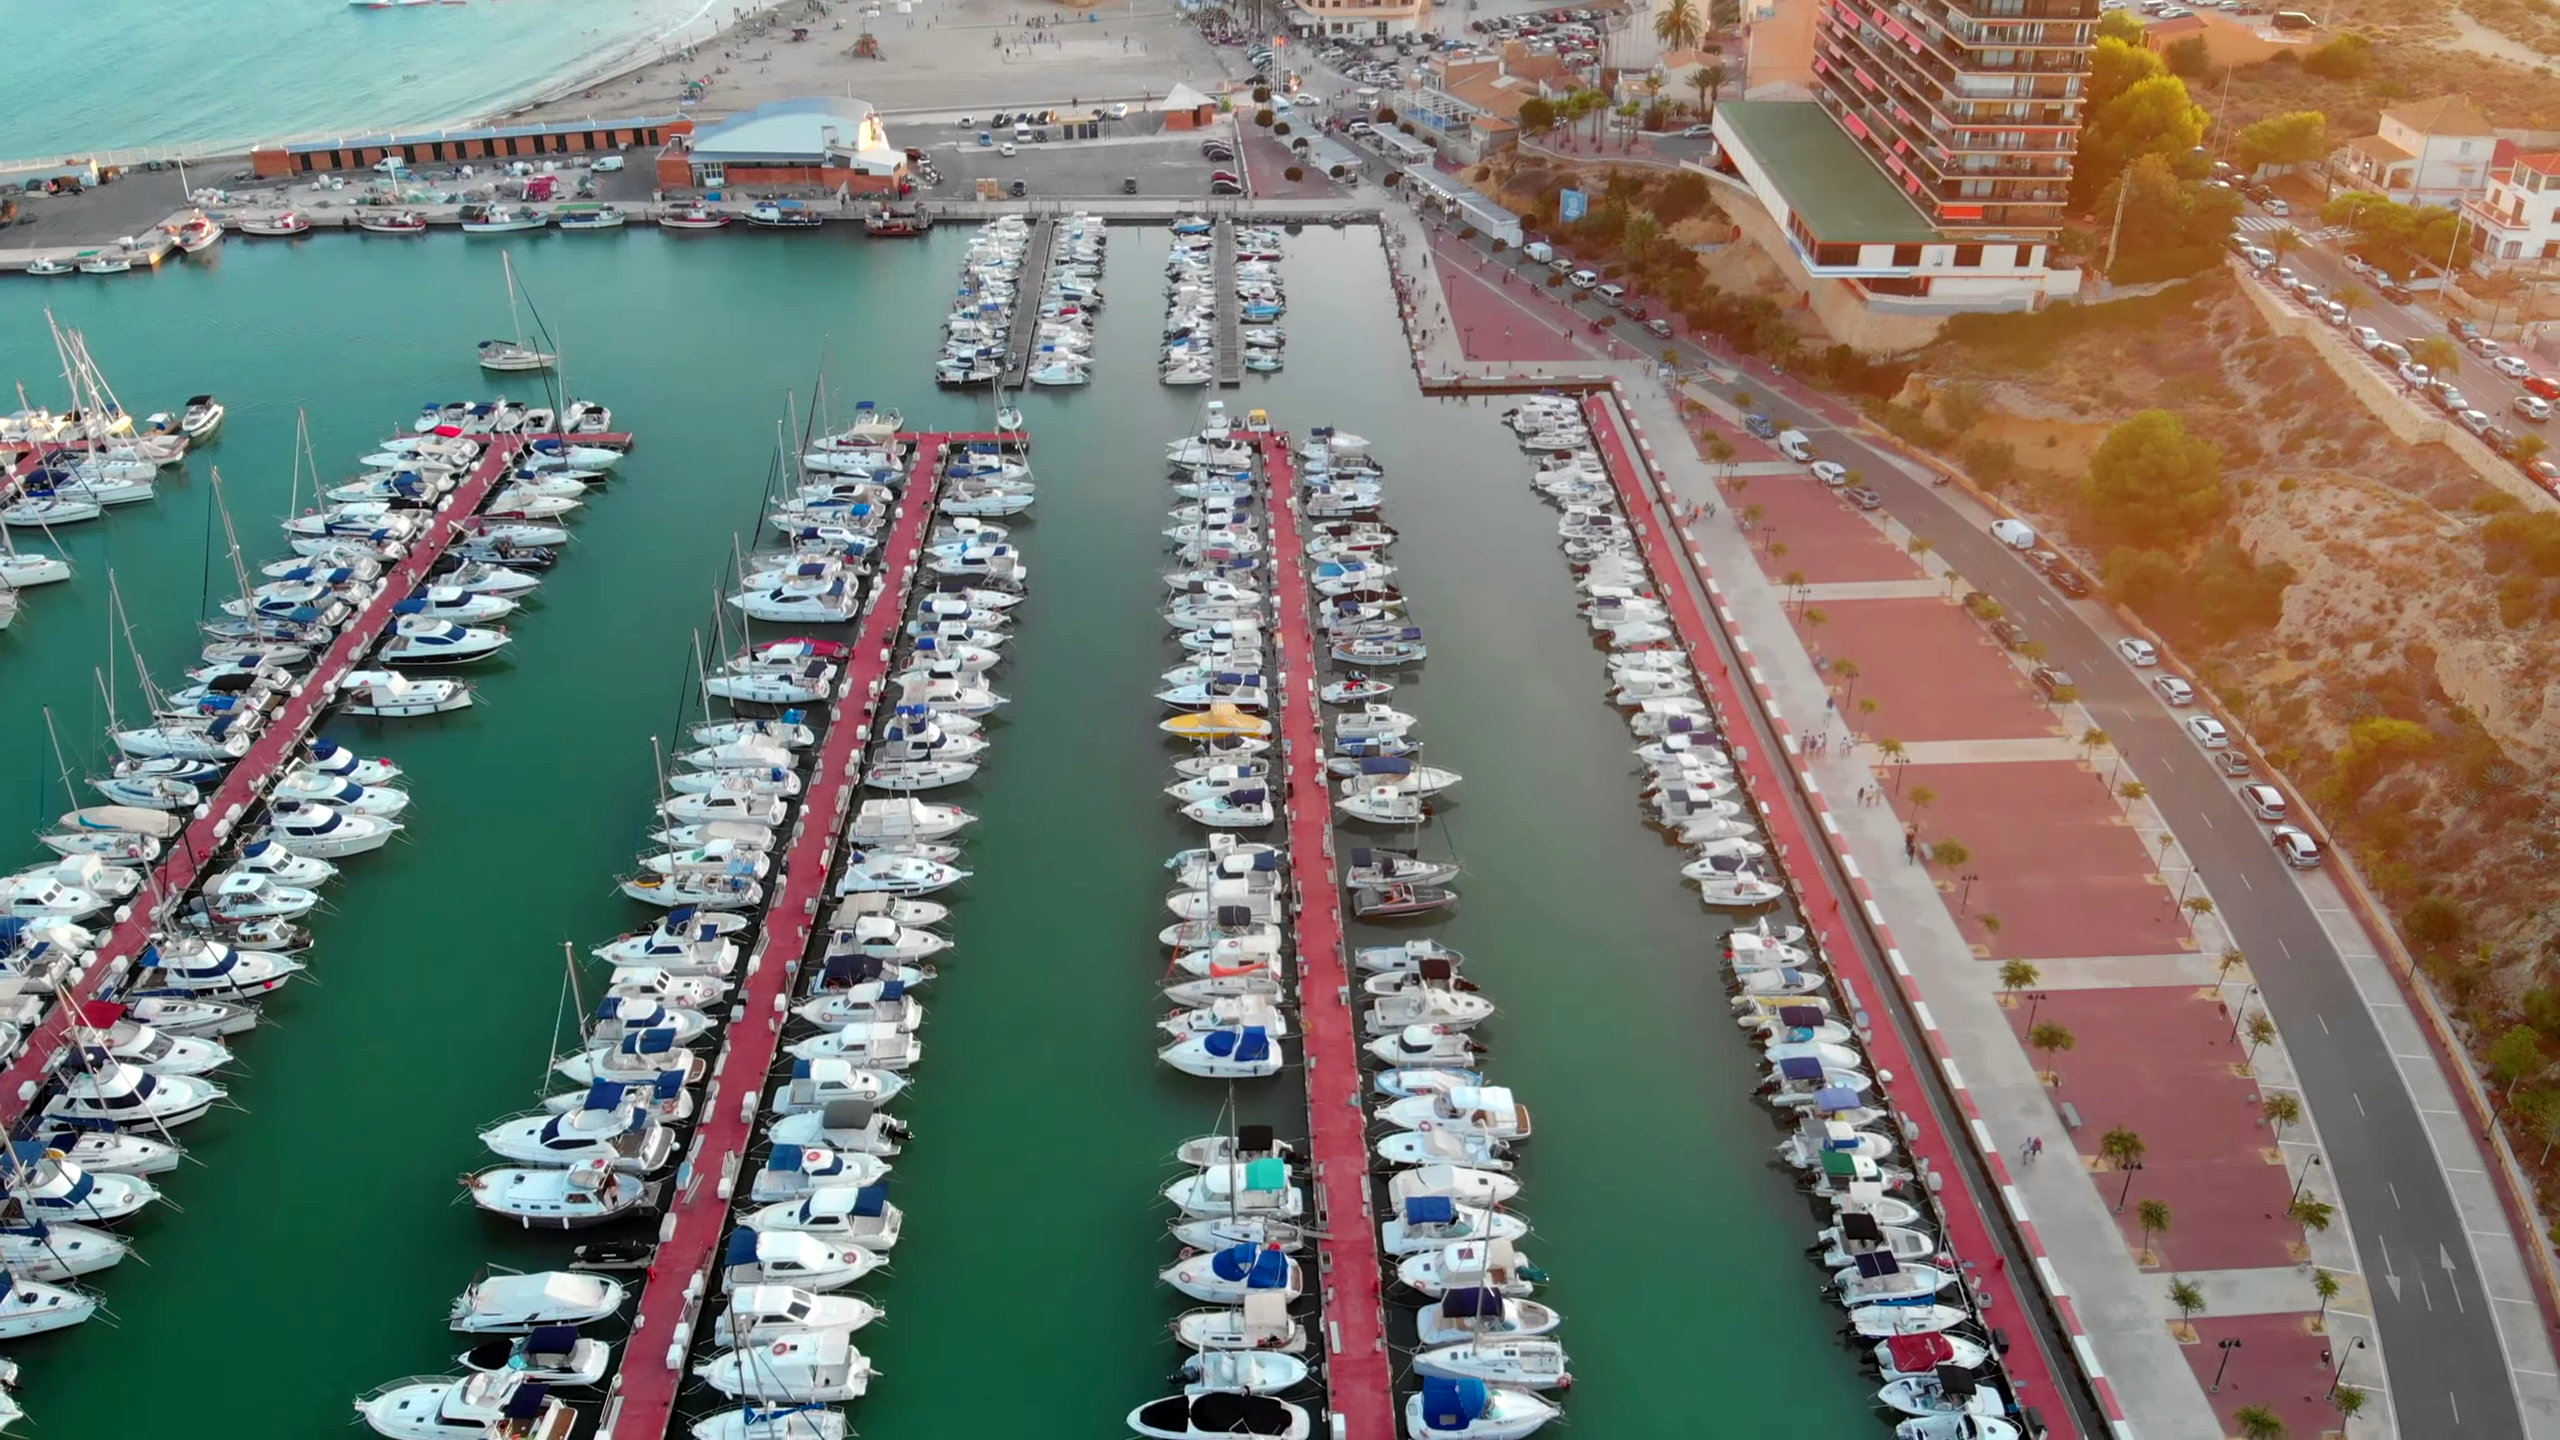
{"x":323,"y":1235}
{"x":119,"y":75}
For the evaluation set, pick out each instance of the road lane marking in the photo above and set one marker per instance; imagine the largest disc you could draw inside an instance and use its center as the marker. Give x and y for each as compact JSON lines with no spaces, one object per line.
{"x":2359,"y":1099}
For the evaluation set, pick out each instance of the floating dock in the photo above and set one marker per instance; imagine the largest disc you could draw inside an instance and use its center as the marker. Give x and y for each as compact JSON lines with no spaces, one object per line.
{"x":642,"y":1402}
{"x":195,"y":850}
{"x":1359,"y":1377}
{"x":1026,"y":322}
{"x":1230,"y":323}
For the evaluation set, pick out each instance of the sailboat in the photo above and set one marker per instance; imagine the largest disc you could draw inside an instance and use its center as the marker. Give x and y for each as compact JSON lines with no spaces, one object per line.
{"x":512,"y":355}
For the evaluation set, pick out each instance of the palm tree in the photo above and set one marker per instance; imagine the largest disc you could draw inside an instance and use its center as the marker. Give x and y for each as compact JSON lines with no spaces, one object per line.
{"x":2093,"y":740}
{"x":1795,"y":582}
{"x":1679,"y":26}
{"x":1708,"y":80}
{"x":2438,"y":354}
{"x":1922,"y":797}
{"x":2052,"y":1039}
{"x":2130,"y":791}
{"x":2257,"y":1422}
{"x":2260,"y":1030}
{"x":1950,"y":854}
{"x":2154,"y":1218}
{"x":2326,"y":1286}
{"x":2231,"y":960}
{"x":2200,"y":905}
{"x":2124,"y":1149}
{"x":2285,"y":241}
{"x":1893,"y":751}
{"x":2353,"y":296}
{"x":2017,"y":975}
{"x":2065,"y":696}
{"x":2349,"y":1400}
{"x":1814,"y":618}
{"x":1847,"y":670}
{"x":2280,"y":1110}
{"x":2311,"y":1214}
{"x":1990,"y":924}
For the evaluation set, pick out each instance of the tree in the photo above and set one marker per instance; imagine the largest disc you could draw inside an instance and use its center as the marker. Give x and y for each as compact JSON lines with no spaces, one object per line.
{"x":1847,"y":670}
{"x":1708,"y":80}
{"x":2130,"y":791}
{"x":2199,"y":906}
{"x":2093,"y":740}
{"x":2153,"y":1216}
{"x":2135,"y":108}
{"x":2311,"y":1214}
{"x":2187,"y":1297}
{"x":2326,"y":1286}
{"x":1678,"y":26}
{"x":2187,"y":57}
{"x":2349,"y":1400}
{"x":2515,"y":1055}
{"x":2152,"y":482}
{"x":1950,"y":854}
{"x":2348,"y":57}
{"x":2296,"y":137}
{"x":2257,"y":1422}
{"x":1990,"y":924}
{"x":2017,"y":975}
{"x":2529,"y":448}
{"x":2124,"y":1149}
{"x":2053,"y":1040}
{"x":2121,"y":27}
{"x":2352,"y":296}
{"x":2280,"y":1110}
{"x":1922,"y":797}
{"x":2260,"y":1030}
{"x":2438,"y":354}
{"x":1538,"y":115}
{"x":2284,"y":241}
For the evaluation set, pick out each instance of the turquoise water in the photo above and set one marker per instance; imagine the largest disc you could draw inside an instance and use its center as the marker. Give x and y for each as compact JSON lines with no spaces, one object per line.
{"x":321,"y":1235}
{"x":111,"y":75}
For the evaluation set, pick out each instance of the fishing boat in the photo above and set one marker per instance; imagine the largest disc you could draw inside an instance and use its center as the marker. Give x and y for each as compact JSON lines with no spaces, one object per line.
{"x":391,"y":222}
{"x":692,"y":217}
{"x":51,"y":265}
{"x":783,"y":215}
{"x":584,"y":215}
{"x":282,"y":223}
{"x":105,"y":262}
{"x":508,"y":1304}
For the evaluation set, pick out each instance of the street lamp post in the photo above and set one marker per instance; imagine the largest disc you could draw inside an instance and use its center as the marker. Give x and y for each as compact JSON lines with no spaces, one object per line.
{"x":2239,"y":1010}
{"x":2352,"y":1347}
{"x":2227,"y":1346}
{"x":1964,"y":897}
{"x":2305,"y":1178}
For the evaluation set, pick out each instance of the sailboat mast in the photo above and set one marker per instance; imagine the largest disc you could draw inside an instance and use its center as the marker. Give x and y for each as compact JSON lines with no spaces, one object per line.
{"x":231,"y":535}
{"x":508,"y":259}
{"x":150,"y":692}
{"x":62,"y":767}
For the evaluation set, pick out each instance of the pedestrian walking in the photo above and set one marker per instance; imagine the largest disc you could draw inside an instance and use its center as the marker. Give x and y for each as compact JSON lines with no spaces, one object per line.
{"x":2039,"y":1147}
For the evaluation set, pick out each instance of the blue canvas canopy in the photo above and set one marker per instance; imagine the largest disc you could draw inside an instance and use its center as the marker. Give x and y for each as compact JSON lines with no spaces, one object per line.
{"x":1386,"y":765}
{"x":1800,"y":1067}
{"x":668,"y":1085}
{"x":788,"y":1159}
{"x":1833,"y":1099}
{"x":409,"y":607}
{"x":1470,"y":1301}
{"x":1429,"y":1210}
{"x":1875,"y":1263}
{"x":605,"y":1095}
{"x":871,"y":1200}
{"x":1800,"y":1015}
{"x":649,"y":1042}
{"x":742,"y":1246}
{"x":1252,"y":1044}
{"x":1453,"y":1404}
{"x":551,"y":1339}
{"x":527,"y":1402}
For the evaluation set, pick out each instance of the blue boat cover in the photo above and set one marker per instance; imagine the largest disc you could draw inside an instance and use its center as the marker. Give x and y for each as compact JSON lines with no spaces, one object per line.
{"x":668,"y":1085}
{"x":1429,"y":1210}
{"x":1835,"y":1099}
{"x":1249,"y":1046}
{"x":1468,"y":1301}
{"x":649,"y":1042}
{"x":1249,"y":797}
{"x":1386,"y":765}
{"x":605,"y":1095}
{"x":1800,"y":1067}
{"x":742,"y":1247}
{"x":409,"y":607}
{"x":871,"y":1200}
{"x":551,"y":1339}
{"x":1453,"y":1404}
{"x":1800,"y":1015}
{"x":1876,"y":1263}
{"x":681,"y":916}
{"x":527,"y":1403}
{"x":787,"y":1158}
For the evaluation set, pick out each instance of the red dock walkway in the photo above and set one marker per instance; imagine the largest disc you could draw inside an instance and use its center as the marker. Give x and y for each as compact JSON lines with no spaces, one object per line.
{"x":191,"y":853}
{"x":1997,"y":1289}
{"x":1358,"y":1377}
{"x":642,"y":1403}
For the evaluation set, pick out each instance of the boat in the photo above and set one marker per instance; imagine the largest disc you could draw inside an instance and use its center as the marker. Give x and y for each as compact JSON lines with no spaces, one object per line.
{"x":1239,"y":1372}
{"x":803,"y":1366}
{"x":609,"y":1127}
{"x":33,"y":1307}
{"x":856,"y":1126}
{"x":500,"y":220}
{"x":420,"y":640}
{"x":692,"y":217}
{"x":1469,"y":1409}
{"x":1228,"y":1276}
{"x":794,"y":1258}
{"x":51,"y":265}
{"x":589,"y":1193}
{"x":552,"y":1354}
{"x":48,"y":1186}
{"x":1525,"y":1361}
{"x":1236,"y":1052}
{"x":1948,"y":1391}
{"x":105,"y":262}
{"x":286,"y":222}
{"x":390,"y":694}
{"x":1425,"y":1222}
{"x":585,"y":215}
{"x":794,"y":1421}
{"x":1889,"y":1319}
{"x":504,"y":1405}
{"x":797,"y":1172}
{"x":1956,"y":1427}
{"x":1491,"y":1264}
{"x":1878,"y":1278}
{"x":783,"y":215}
{"x":1261,"y":1324}
{"x":1189,"y":1417}
{"x":391,"y":222}
{"x":327,"y":834}
{"x":36,"y":1248}
{"x":508,"y":1304}
{"x":115,"y":1152}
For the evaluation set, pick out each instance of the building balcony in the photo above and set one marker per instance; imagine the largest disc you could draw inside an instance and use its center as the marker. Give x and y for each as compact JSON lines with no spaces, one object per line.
{"x":1845,"y":56}
{"x":2011,"y":10}
{"x":2503,"y":223}
{"x":1924,"y":66}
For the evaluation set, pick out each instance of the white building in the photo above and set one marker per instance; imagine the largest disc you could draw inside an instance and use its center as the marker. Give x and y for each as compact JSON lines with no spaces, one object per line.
{"x":2431,"y":152}
{"x":2519,"y":219}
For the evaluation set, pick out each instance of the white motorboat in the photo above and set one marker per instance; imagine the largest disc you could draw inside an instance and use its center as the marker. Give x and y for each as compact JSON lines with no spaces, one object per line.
{"x":893,"y":872}
{"x":306,"y":785}
{"x":1956,"y":1427}
{"x":1238,"y":1188}
{"x":1487,"y":1264}
{"x":115,"y":1152}
{"x":1878,"y":1278}
{"x":725,"y":805}
{"x":816,"y":1084}
{"x":41,"y":897}
{"x":1240,"y":1372}
{"x":327,"y":834}
{"x":52,"y":1187}
{"x":1949,"y":1393}
{"x":392,"y":695}
{"x":501,"y":1405}
{"x":794,"y":1258}
{"x":1724,"y":890}
{"x":33,"y":1307}
{"x":732,"y":858}
{"x":1855,"y":1235}
{"x":420,"y":640}
{"x":509,"y":1304}
{"x":761,"y":1314}
{"x":1525,"y":1361}
{"x":857,"y":1126}
{"x":1262,"y":1324}
{"x":1235,"y":1052}
{"x":104,"y":1089}
{"x":1466,"y":1408}
{"x":591,"y":1192}
{"x":773,"y":782}
{"x":793,"y":1173}
{"x":1424,"y":1223}
{"x":913,"y":775}
{"x":867,"y":1004}
{"x":35,"y":1247}
{"x":1884,"y":1321}
{"x":808,"y":1366}
{"x":787,"y":1421}
{"x":1229,"y":1276}
{"x":608,"y":1127}
{"x":552,"y":1354}
{"x":111,"y":1027}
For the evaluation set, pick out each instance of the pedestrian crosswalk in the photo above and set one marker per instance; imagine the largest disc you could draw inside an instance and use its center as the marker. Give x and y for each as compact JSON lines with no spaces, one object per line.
{"x":2257,"y":224}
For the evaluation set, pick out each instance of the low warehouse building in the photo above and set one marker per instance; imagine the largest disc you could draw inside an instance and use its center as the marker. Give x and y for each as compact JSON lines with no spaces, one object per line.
{"x":822,"y":141}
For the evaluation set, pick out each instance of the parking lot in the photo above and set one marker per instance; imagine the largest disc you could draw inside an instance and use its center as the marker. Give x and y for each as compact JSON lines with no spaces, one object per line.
{"x":1163,"y":162}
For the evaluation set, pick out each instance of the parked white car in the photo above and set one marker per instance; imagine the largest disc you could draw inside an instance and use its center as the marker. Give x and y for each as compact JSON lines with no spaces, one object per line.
{"x":2514,"y":367}
{"x":1829,"y":472}
{"x":2367,"y":337}
{"x":2208,"y":732}
{"x":2137,"y":652}
{"x":2174,"y":690}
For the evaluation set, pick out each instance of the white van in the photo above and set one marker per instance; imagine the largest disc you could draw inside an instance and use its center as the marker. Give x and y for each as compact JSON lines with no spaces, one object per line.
{"x":1795,"y":445}
{"x":1539,"y":251}
{"x":1613,"y":295}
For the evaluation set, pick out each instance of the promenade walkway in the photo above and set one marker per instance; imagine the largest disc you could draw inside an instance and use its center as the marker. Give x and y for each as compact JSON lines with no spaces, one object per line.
{"x":1359,"y":1380}
{"x":195,"y":851}
{"x":2034,"y":1376}
{"x":642,"y":1404}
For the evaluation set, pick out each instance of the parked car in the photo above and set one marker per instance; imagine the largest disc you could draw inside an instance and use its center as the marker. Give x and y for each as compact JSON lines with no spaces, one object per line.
{"x":2052,"y":680}
{"x":2475,"y":421}
{"x":1659,"y":326}
{"x":2544,"y":386}
{"x":2484,"y":347}
{"x":2367,"y":337}
{"x":1863,"y":498}
{"x":1829,"y":472}
{"x":2174,"y":689}
{"x":2411,"y":372}
{"x":2264,"y":801}
{"x":1583,"y":279}
{"x":1761,"y":425}
{"x":2009,"y":633}
{"x":2232,"y":763}
{"x":2514,"y":367}
{"x":2137,"y":652}
{"x":2016,"y":534}
{"x":2296,"y":846}
{"x":2068,"y":581}
{"x":2208,"y":732}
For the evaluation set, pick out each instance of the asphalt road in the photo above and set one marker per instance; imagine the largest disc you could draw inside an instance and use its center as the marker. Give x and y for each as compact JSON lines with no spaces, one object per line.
{"x":2439,"y":1339}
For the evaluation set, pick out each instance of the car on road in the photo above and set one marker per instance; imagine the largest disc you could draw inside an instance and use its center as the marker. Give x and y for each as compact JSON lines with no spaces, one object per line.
{"x":2413,"y":373}
{"x":2544,"y":386}
{"x":1120,"y":111}
{"x":2545,"y":474}
{"x":1829,"y":472}
{"x":1863,"y":498}
{"x":1583,"y":279}
{"x":1612,"y":296}
{"x":1006,"y":150}
{"x":2476,"y":421}
{"x":2484,"y":347}
{"x":609,"y":165}
{"x":2264,"y":801}
{"x":2016,"y":534}
{"x":2068,"y":581}
{"x":2009,"y":633}
{"x":2208,"y":732}
{"x":2296,"y":846}
{"x":2392,"y":290}
{"x":2273,"y":206}
{"x":1225,"y":187}
{"x":1761,"y":425}
{"x":1696,"y":132}
{"x":2532,"y":407}
{"x":2367,"y":337}
{"x":2174,"y":689}
{"x":1659,"y":326}
{"x":2284,"y":277}
{"x":2357,"y":263}
{"x":2514,"y":367}
{"x":2232,"y":763}
{"x":2052,"y":680}
{"x":2137,"y":652}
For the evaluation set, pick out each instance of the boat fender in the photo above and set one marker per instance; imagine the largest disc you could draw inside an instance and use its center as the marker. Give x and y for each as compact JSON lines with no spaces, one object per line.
{"x":780,"y":1347}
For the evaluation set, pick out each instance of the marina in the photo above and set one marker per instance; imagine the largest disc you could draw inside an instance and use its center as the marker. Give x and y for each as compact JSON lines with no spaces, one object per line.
{"x":1064,"y":773}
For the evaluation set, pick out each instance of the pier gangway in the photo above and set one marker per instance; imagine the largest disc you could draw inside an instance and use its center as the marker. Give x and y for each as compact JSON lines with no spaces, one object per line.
{"x":1026,"y":303}
{"x":1230,"y":308}
{"x":1358,"y":1376}
{"x":641,"y":1405}
{"x":196,"y":849}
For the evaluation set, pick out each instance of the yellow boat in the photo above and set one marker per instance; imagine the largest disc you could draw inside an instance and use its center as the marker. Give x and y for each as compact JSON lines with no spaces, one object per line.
{"x":1218,"y":720}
